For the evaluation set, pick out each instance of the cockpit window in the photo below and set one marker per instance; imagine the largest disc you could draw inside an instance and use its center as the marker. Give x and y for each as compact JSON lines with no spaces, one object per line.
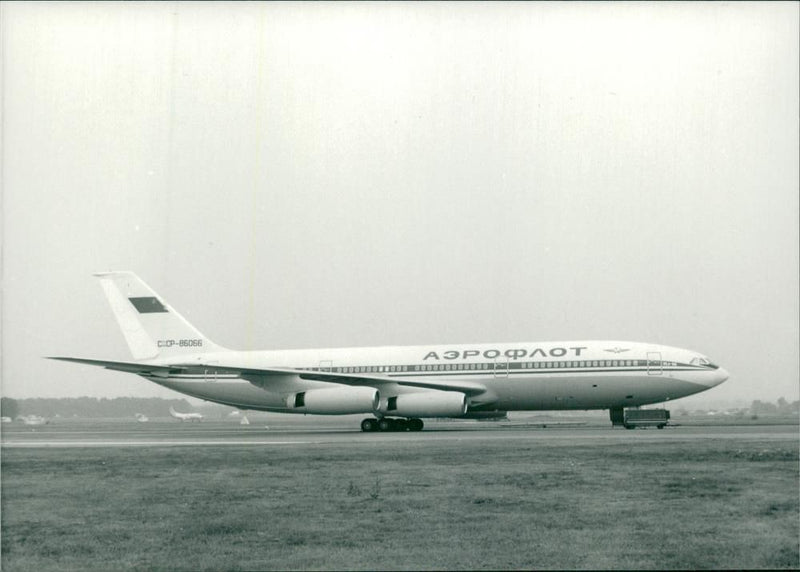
{"x":703,"y":361}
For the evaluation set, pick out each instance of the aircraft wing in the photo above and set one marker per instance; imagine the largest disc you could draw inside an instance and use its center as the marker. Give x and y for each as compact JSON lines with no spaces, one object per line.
{"x":376,"y":380}
{"x":263,"y":374}
{"x":356,"y":379}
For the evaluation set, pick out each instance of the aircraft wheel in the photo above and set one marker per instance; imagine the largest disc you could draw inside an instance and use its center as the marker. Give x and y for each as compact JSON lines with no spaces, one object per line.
{"x":386,"y":424}
{"x":401,"y":425}
{"x":415,"y":424}
{"x":369,"y":425}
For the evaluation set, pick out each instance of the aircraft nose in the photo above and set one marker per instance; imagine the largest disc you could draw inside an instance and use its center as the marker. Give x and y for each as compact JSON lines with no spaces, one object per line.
{"x":719,"y":376}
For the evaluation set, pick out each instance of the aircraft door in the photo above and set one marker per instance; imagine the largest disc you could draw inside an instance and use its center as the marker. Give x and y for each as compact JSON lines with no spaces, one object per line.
{"x":654,"y":363}
{"x":210,"y":372}
{"x":501,"y":366}
{"x":326,"y":365}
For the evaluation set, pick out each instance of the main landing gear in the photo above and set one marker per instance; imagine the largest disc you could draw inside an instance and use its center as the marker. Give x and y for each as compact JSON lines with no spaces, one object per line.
{"x":386,"y":424}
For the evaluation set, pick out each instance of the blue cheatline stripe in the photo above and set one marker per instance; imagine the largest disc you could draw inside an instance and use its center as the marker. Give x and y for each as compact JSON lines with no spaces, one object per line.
{"x":188,"y":376}
{"x":502,"y":366}
{"x":553,"y":371}
{"x":447,"y":373}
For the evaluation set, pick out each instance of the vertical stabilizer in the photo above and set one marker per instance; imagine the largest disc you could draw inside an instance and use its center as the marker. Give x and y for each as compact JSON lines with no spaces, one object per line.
{"x":151,"y":327}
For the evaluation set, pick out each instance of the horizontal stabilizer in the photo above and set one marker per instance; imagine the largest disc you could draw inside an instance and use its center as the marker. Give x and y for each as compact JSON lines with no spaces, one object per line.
{"x":126,"y":366}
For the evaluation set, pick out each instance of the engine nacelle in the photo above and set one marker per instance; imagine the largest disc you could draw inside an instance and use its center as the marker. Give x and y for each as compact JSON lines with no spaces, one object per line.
{"x":335,"y":400}
{"x":427,"y":404}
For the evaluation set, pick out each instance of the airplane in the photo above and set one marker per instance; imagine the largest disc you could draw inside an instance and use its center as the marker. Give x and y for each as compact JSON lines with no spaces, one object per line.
{"x":185,"y":416}
{"x":34,"y":420}
{"x":397,"y":386}
{"x":142,"y":418}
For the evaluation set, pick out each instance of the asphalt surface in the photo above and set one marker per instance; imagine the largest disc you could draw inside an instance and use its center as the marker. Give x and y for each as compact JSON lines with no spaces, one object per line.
{"x":172,"y":433}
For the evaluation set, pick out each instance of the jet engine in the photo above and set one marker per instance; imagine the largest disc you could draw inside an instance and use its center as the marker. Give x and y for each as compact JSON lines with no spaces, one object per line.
{"x":427,"y":404}
{"x":335,"y":400}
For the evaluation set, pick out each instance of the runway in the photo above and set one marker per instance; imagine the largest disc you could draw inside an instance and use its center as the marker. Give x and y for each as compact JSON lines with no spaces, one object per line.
{"x":88,"y":434}
{"x":291,"y":496}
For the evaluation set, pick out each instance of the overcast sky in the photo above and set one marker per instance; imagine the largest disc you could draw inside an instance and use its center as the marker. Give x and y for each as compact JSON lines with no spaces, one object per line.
{"x":330,"y":175}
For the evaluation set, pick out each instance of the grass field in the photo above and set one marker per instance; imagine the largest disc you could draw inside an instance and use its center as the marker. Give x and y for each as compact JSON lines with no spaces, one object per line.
{"x":676,"y":504}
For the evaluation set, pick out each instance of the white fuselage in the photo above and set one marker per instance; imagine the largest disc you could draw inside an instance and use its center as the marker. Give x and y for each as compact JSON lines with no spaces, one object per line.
{"x":517,"y":376}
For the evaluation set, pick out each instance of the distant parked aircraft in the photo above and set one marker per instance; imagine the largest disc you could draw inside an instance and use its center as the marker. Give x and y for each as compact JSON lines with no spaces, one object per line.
{"x":398,"y":385}
{"x":33,"y":420}
{"x":185,"y":416}
{"x":142,"y":418}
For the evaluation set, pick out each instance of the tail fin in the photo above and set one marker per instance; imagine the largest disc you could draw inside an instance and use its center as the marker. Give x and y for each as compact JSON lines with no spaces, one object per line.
{"x":150,"y":326}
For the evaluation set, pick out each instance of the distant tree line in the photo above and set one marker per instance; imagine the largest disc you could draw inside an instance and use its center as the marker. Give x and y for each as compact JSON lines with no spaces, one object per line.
{"x":9,"y":407}
{"x":91,"y":407}
{"x":781,"y":407}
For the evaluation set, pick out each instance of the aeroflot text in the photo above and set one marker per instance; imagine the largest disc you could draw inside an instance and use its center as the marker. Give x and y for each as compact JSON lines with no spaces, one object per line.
{"x":511,"y":354}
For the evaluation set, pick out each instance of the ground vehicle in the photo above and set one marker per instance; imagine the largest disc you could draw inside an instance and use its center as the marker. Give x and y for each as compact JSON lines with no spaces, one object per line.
{"x":645,"y":418}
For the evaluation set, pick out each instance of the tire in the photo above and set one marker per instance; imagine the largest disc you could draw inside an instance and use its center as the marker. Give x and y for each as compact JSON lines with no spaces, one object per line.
{"x":369,"y":425}
{"x":415,"y":424}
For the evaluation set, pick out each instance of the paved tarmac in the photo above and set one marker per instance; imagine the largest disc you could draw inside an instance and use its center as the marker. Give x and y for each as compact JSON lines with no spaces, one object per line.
{"x":176,"y":434}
